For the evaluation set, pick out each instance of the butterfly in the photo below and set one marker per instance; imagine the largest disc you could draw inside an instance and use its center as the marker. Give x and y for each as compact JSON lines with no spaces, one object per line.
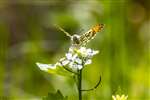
{"x":82,"y":40}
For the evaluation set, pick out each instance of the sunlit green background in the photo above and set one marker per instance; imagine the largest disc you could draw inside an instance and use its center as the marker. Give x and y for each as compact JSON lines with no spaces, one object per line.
{"x":28,"y":35}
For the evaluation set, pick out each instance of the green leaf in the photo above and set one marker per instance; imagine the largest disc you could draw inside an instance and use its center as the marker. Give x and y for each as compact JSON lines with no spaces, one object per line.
{"x":59,"y":71}
{"x":54,"y":69}
{"x":55,"y":96}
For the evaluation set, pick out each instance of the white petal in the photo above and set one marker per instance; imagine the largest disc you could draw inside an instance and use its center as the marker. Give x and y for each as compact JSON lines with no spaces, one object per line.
{"x":89,"y":61}
{"x":79,"y":67}
{"x":82,"y":49}
{"x":89,"y":50}
{"x":74,"y":66}
{"x":74,"y":57}
{"x":45,"y":67}
{"x":71,"y":64}
{"x":62,"y":62}
{"x":78,"y":60}
{"x":65,"y":62}
{"x":69,"y":56}
{"x":95,"y":52}
{"x":83,"y":52}
{"x":92,"y":53}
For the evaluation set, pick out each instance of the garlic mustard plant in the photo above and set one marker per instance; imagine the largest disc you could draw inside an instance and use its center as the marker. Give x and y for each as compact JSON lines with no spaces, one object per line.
{"x":77,"y":57}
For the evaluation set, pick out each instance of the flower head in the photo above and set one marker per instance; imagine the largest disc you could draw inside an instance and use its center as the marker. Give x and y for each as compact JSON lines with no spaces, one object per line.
{"x":77,"y":58}
{"x":118,"y":97}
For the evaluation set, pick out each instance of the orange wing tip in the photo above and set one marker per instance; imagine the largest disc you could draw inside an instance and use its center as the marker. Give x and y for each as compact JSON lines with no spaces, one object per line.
{"x":98,"y":27}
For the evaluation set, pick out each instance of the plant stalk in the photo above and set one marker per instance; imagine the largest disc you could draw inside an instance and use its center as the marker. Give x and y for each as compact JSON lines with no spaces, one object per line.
{"x":80,"y":84}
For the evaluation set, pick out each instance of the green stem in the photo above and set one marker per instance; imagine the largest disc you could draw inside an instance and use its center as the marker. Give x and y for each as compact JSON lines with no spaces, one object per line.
{"x":80,"y":84}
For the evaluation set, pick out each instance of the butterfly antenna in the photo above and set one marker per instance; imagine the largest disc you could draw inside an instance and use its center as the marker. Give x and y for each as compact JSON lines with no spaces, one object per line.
{"x":61,"y":29}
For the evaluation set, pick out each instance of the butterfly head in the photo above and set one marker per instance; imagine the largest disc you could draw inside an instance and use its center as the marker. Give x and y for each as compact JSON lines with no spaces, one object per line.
{"x":75,"y":39}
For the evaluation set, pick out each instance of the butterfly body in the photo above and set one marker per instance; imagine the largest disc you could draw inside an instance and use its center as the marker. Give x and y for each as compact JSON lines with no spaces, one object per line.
{"x":80,"y":40}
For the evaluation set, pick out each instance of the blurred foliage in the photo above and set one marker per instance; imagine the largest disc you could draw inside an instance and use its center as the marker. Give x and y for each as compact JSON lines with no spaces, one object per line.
{"x":57,"y":96}
{"x":28,"y":35}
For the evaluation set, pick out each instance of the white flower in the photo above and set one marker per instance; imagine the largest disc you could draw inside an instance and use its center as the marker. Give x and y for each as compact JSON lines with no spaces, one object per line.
{"x":87,"y":52}
{"x":95,"y":52}
{"x":65,"y":62}
{"x":87,"y":62}
{"x":45,"y":67}
{"x":83,"y":52}
{"x":75,"y":66}
{"x":118,"y":97}
{"x":79,"y":67}
{"x":71,"y":64}
{"x":69,"y":56}
{"x":92,"y":52}
{"x":78,"y":60}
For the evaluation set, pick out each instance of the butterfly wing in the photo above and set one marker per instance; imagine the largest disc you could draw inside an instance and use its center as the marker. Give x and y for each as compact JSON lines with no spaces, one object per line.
{"x":86,"y":37}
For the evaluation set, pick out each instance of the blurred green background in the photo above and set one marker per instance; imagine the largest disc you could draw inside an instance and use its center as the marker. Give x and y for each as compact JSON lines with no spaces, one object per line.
{"x":28,"y":35}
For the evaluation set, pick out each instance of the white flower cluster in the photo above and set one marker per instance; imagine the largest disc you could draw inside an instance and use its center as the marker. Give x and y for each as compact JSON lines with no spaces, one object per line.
{"x":75,"y":59}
